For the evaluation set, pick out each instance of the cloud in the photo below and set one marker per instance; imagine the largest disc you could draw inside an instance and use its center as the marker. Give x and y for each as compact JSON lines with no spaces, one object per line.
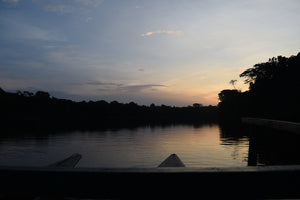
{"x":93,"y":3}
{"x":69,"y":51}
{"x":63,"y":6}
{"x":69,"y":48}
{"x":60,"y":8}
{"x":178,"y":32}
{"x":137,"y":88}
{"x":101,"y":83}
{"x":11,"y":1}
{"x":36,"y":33}
{"x":73,"y":45}
{"x":112,"y":87}
{"x":88,"y":19}
{"x":17,"y":29}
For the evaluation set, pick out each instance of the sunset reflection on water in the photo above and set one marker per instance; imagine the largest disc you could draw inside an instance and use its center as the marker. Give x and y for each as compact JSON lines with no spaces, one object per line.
{"x":197,"y":146}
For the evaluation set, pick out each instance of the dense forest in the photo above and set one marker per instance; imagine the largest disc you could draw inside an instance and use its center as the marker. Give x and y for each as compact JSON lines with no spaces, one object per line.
{"x":273,"y":91}
{"x":26,"y":110}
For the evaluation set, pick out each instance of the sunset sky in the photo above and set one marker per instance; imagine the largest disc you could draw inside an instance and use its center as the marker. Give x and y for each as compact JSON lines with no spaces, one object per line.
{"x":173,"y":52}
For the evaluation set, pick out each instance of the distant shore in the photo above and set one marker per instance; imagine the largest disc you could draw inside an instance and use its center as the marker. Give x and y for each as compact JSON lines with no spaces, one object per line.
{"x":25,"y":110}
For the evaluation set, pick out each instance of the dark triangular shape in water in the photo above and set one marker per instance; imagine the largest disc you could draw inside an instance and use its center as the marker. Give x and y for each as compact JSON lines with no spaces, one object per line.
{"x":172,"y":161}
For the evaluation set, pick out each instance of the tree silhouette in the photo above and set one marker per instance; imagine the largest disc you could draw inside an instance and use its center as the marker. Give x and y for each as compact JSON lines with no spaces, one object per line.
{"x":232,"y":82}
{"x":273,"y":91}
{"x":42,"y":94}
{"x":27,"y":110}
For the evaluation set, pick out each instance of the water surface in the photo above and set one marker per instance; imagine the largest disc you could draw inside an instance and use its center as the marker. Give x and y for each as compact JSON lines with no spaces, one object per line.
{"x":201,"y":146}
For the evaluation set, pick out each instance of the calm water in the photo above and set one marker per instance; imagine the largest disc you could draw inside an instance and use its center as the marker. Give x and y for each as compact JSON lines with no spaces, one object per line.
{"x":204,"y":146}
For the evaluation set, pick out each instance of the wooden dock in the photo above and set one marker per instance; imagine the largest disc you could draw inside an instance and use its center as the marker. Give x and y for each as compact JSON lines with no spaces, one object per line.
{"x":292,"y":127}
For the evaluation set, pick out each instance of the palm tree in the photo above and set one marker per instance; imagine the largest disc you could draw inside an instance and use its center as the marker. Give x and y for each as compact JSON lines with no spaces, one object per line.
{"x":232,"y":82}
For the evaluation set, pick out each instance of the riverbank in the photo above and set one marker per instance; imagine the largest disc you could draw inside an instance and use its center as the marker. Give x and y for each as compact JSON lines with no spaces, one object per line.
{"x":25,"y":110}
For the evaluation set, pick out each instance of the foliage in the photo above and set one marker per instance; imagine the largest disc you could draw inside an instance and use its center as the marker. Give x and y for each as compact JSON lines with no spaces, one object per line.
{"x":273,"y":91}
{"x":40,"y":110}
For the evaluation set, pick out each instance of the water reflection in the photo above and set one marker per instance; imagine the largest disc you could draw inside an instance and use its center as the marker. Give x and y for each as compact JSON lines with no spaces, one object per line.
{"x":276,"y":147}
{"x":235,"y":139}
{"x":265,"y":146}
{"x":201,"y":145}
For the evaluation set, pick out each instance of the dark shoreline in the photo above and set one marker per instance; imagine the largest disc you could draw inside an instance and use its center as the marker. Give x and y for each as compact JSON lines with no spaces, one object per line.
{"x":40,"y":111}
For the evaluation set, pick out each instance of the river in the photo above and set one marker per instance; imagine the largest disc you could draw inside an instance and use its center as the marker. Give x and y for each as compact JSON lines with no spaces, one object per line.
{"x":206,"y":145}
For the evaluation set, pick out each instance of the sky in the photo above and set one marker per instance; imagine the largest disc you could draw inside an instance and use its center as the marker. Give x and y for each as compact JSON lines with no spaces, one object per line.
{"x":172,"y":52}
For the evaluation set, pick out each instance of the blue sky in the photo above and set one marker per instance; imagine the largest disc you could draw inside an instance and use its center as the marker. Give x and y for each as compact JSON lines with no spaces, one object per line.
{"x":170,"y":52}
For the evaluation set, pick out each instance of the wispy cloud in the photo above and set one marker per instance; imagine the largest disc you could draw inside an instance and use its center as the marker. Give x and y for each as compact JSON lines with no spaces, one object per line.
{"x":137,"y":88}
{"x":120,"y":87}
{"x":11,"y":1}
{"x":18,"y":29}
{"x":101,"y":83}
{"x":93,"y":3}
{"x":69,"y":51}
{"x":178,"y":32}
{"x":57,"y":7}
{"x":87,"y":20}
{"x":63,"y":6}
{"x":70,"y":48}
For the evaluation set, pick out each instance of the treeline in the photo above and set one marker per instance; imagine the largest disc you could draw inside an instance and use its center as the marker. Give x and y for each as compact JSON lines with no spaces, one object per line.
{"x":274,"y":91}
{"x":40,"y":110}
